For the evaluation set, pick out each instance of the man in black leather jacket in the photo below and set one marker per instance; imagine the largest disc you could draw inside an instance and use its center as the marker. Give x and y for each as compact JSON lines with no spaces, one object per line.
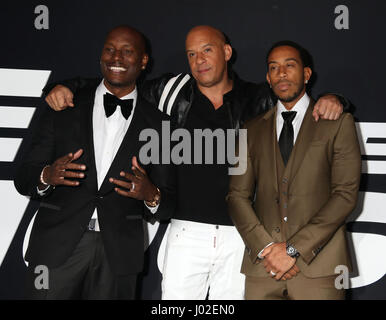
{"x":203,"y":249}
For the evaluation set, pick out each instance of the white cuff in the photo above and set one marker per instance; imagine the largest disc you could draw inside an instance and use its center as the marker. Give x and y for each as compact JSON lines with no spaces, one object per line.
{"x":42,"y":192}
{"x":261,"y":252}
{"x":153,"y":210}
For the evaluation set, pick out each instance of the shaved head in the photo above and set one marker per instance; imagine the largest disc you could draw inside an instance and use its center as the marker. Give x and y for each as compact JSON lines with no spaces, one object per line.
{"x":132,"y":32}
{"x":208,"y":30}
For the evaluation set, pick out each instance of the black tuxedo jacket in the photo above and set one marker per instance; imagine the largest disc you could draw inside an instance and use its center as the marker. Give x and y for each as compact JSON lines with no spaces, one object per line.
{"x":65,"y":212}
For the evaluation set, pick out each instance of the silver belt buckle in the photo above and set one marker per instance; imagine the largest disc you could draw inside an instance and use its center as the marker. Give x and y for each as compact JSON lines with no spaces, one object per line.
{"x":91,"y":225}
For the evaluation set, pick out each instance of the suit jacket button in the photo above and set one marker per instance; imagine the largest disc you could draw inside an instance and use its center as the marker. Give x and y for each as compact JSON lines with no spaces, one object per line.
{"x":277,"y":229}
{"x":277,"y":200}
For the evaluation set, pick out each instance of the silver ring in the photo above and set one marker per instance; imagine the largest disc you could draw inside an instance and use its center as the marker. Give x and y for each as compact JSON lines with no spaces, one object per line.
{"x":273,"y":273}
{"x":132,"y":186}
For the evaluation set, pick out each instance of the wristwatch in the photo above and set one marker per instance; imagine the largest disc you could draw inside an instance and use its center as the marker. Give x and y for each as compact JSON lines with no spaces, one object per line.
{"x":156,"y":200}
{"x":291,"y":251}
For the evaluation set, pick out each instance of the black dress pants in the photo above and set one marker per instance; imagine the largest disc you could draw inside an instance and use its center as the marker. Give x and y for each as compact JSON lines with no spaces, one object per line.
{"x":85,"y":275}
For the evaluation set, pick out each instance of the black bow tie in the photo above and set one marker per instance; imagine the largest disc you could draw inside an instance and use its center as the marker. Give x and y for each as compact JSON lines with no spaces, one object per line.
{"x":110,"y":103}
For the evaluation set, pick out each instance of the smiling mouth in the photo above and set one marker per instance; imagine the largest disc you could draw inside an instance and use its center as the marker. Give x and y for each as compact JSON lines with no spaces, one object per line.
{"x":117,"y":69}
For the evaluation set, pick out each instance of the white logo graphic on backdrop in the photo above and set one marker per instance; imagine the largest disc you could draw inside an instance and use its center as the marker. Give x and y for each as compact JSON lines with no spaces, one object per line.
{"x":371,"y":263}
{"x":342,"y":20}
{"x":368,"y":249}
{"x":42,"y":20}
{"x":18,"y":83}
{"x":367,"y":130}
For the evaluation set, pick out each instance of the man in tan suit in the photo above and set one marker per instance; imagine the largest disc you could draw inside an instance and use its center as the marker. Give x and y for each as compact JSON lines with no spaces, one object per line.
{"x":301,"y":183}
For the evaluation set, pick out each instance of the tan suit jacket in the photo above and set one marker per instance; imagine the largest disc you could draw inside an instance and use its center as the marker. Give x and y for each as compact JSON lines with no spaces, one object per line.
{"x":306,"y":202}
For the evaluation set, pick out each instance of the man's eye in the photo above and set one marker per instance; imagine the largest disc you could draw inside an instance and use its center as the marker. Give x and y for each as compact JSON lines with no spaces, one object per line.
{"x":290,"y":65}
{"x":109,"y":50}
{"x":272,"y":68}
{"x":190,"y":54}
{"x":207,"y":50}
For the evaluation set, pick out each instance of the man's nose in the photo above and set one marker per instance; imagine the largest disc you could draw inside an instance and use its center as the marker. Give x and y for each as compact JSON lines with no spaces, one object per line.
{"x":282,"y":71}
{"x":200,"y":58}
{"x":117,"y":56}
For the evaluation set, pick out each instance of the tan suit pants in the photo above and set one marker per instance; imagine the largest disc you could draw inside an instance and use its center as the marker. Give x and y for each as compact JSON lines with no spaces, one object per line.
{"x":297,"y":288}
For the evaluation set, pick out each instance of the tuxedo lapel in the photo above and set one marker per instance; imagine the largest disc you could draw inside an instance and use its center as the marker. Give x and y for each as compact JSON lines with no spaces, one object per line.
{"x":86,"y":105}
{"x":127,"y":149}
{"x":303,"y":140}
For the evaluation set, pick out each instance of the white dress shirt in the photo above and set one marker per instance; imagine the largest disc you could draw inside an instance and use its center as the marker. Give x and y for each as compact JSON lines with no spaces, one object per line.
{"x":108,"y":134}
{"x":300,"y":107}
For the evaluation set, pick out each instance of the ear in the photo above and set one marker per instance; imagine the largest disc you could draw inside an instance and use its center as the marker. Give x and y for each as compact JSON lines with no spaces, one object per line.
{"x":228,"y":52}
{"x":307,"y":73}
{"x":145,"y":60}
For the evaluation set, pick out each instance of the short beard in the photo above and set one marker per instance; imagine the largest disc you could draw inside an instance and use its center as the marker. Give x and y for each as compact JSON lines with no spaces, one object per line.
{"x":118,"y":84}
{"x":293,"y":97}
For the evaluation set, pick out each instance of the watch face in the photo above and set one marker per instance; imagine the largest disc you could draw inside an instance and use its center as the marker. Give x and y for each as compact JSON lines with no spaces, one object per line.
{"x":290,"y":250}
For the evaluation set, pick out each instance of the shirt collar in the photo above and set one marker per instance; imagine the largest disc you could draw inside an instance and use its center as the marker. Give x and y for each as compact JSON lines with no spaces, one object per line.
{"x":300,"y":107}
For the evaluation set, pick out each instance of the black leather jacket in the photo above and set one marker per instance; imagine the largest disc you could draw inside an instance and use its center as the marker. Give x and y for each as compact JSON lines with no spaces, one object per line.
{"x":246,"y":100}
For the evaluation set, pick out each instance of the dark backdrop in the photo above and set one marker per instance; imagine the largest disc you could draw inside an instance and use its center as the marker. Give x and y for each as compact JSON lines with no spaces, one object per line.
{"x":348,"y":61}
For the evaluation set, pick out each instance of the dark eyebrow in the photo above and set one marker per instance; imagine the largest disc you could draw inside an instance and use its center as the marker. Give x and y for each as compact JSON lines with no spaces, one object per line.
{"x":292,"y":59}
{"x":288,"y":59}
{"x":111,"y":44}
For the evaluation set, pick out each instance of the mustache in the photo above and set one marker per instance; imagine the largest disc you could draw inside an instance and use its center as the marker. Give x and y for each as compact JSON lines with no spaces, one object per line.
{"x":284,"y":81}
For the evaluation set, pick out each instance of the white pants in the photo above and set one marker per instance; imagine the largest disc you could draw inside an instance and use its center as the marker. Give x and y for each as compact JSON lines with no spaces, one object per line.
{"x":200,"y":256}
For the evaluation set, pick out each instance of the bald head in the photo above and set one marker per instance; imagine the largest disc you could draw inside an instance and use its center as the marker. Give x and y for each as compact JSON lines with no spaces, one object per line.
{"x":207,"y":31}
{"x":129,"y":32}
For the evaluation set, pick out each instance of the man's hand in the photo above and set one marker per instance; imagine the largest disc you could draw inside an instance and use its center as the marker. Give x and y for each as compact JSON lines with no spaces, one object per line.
{"x":59,"y":98}
{"x":57,"y":173}
{"x":291,"y":273}
{"x":327,"y":107}
{"x":138,"y":184}
{"x":277,"y":260}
